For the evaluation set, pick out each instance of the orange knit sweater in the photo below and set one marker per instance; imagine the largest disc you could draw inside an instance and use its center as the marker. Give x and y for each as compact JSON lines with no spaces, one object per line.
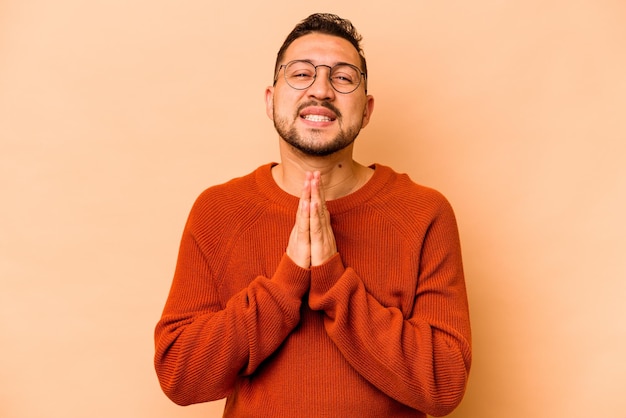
{"x":380,"y":330}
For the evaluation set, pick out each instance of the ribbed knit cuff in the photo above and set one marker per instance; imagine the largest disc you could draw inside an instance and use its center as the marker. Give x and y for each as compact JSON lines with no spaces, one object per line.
{"x":324,"y":277}
{"x":293,"y":278}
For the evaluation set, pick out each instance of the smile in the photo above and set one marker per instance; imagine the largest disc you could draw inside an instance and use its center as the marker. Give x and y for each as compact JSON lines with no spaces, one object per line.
{"x":317,"y":118}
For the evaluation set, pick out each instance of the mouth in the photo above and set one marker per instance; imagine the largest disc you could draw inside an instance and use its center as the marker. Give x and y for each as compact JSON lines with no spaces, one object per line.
{"x":318,"y":114}
{"x":317,"y":118}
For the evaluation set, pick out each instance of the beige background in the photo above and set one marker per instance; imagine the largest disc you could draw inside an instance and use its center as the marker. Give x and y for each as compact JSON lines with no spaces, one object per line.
{"x":115,"y":114}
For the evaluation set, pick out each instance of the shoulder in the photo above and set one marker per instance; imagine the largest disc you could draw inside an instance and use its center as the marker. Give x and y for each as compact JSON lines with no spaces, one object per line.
{"x":408,"y":204}
{"x":228,"y":201}
{"x":402,"y":190}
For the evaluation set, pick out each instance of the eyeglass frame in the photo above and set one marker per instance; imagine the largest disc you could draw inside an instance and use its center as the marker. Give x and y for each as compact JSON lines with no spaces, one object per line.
{"x":330,"y":71}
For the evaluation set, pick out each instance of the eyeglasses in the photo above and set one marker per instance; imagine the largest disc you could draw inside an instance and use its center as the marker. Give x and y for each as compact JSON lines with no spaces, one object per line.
{"x":301,"y":74}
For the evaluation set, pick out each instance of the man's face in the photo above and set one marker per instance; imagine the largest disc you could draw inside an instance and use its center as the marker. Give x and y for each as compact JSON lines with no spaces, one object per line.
{"x":318,"y":120}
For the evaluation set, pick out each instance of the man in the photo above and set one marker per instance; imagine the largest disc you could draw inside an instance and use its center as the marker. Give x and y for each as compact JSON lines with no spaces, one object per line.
{"x":318,"y":287}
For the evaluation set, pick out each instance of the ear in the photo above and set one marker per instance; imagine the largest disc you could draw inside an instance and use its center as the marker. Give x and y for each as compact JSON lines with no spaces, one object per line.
{"x":269,"y":102}
{"x":368,"y":110}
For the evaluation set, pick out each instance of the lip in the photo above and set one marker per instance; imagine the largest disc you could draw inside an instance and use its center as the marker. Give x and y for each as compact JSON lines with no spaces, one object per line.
{"x":318,"y":115}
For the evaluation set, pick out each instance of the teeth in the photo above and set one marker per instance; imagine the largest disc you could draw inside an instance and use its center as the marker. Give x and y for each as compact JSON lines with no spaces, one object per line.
{"x":317,"y":118}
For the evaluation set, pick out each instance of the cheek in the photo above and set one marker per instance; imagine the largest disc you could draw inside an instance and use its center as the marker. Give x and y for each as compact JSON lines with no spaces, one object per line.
{"x":285,"y":106}
{"x":279,"y":103}
{"x":356,"y":112}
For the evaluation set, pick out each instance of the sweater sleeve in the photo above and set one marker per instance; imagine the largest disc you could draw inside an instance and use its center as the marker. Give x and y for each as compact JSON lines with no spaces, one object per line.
{"x":202,"y":346}
{"x":422,"y":360}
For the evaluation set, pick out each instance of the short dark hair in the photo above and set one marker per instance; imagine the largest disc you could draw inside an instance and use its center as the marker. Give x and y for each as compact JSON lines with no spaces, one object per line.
{"x":328,"y":24}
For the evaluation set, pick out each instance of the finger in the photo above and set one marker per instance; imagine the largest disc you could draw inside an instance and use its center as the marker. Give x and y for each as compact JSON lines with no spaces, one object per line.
{"x":317,"y":194}
{"x":303,"y":221}
{"x":299,"y":245}
{"x":323,"y":244}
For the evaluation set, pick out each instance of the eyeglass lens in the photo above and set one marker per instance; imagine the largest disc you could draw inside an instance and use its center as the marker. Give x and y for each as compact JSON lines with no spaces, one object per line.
{"x":343,"y":77}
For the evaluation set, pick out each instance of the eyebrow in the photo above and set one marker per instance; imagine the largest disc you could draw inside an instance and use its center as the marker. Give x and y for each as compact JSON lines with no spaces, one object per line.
{"x":329,"y":65}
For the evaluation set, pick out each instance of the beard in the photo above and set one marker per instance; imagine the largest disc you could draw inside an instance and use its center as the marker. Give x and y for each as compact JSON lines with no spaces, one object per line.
{"x":312,"y":144}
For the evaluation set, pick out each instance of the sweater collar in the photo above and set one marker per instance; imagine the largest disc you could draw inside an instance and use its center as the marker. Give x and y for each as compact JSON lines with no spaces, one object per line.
{"x":268,"y":187}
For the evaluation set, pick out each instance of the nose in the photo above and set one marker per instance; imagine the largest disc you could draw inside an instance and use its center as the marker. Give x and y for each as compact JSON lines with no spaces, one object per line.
{"x":321,"y":88}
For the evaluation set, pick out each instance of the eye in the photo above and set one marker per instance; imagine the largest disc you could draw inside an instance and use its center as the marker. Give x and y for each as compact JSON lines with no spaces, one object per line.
{"x":343,"y":78}
{"x":300,"y":74}
{"x":300,"y":70}
{"x":344,"y":74}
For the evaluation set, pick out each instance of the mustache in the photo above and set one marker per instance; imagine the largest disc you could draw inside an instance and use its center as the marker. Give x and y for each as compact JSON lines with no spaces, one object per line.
{"x":325,"y":104}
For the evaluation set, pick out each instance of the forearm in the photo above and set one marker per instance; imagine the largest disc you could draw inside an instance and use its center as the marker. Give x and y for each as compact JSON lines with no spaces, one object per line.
{"x":422,"y":361}
{"x":201,"y":352}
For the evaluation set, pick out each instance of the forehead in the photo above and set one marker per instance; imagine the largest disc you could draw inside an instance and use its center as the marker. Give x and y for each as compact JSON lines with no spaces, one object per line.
{"x":322,"y":49}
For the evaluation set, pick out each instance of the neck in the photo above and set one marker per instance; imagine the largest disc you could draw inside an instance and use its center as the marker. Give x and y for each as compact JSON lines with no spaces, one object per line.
{"x":341,"y":175}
